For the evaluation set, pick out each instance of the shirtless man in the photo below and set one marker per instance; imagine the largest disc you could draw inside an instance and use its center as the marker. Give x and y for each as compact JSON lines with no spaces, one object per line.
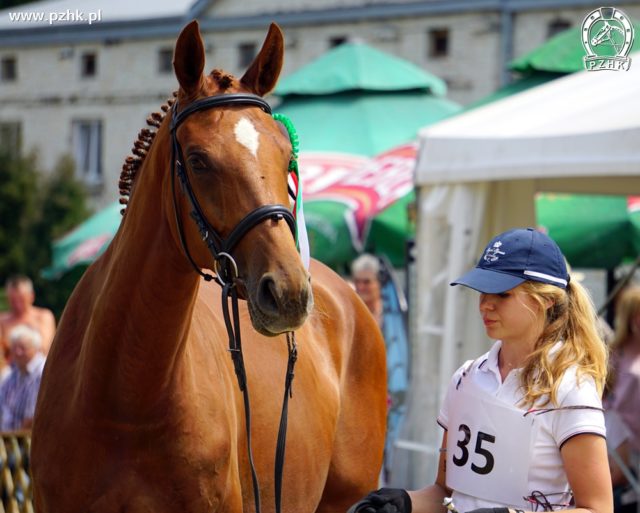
{"x":21,"y":296}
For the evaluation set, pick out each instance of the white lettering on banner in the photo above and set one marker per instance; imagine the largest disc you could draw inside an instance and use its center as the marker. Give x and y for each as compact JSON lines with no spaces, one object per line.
{"x":385,"y":178}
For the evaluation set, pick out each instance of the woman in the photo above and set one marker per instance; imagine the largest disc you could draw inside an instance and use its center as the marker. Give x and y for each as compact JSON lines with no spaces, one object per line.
{"x":625,"y":395}
{"x":524,"y":427}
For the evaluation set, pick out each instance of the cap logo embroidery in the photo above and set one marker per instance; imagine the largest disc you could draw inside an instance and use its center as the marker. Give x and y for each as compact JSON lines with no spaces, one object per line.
{"x":493,"y":253}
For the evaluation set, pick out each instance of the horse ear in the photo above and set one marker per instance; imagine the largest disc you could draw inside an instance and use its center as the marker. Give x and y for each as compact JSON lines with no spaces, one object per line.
{"x":188,"y":58}
{"x":262,"y":75}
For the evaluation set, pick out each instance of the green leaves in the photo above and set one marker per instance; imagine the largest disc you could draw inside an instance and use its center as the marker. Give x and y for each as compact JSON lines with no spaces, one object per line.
{"x":35,"y":209}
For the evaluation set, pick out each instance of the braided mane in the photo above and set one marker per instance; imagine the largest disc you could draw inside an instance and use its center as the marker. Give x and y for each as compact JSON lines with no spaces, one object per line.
{"x":141,"y":145}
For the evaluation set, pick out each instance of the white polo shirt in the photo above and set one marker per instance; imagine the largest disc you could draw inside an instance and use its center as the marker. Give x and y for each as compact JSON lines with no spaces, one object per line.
{"x":546,"y":472}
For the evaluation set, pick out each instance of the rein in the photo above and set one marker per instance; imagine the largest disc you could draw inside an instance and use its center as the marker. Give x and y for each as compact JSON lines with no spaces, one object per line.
{"x":226,"y":272}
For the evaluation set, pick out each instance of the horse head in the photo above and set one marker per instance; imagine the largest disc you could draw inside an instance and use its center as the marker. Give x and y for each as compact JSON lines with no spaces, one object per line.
{"x":232,"y":160}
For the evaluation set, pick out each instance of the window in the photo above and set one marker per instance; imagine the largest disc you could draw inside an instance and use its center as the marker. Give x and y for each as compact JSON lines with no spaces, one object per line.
{"x":557,"y":26}
{"x":439,"y":42}
{"x":87,"y":151}
{"x":8,"y":69}
{"x":10,"y":138}
{"x":88,"y":64}
{"x":165,"y":61}
{"x":246,"y":54}
{"x":337,"y":41}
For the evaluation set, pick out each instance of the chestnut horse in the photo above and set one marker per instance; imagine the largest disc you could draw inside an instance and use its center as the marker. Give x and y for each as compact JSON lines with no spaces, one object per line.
{"x":139,"y":408}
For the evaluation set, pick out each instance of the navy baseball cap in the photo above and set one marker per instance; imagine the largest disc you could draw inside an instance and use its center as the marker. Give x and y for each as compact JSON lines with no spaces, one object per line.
{"x":514,"y":257}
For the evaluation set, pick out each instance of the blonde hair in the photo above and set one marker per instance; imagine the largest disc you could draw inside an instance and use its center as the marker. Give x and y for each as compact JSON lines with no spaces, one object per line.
{"x":572,"y":319}
{"x":627,"y":307}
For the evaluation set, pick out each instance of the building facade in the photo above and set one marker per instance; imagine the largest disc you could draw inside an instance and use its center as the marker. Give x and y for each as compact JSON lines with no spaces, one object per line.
{"x":80,"y":77}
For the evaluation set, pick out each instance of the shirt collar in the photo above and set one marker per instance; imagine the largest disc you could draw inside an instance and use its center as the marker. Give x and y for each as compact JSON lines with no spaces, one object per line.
{"x":490,"y":362}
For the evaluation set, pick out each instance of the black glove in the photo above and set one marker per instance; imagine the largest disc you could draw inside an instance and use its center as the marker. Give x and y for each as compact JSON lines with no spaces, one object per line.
{"x":490,"y":510}
{"x":384,"y":500}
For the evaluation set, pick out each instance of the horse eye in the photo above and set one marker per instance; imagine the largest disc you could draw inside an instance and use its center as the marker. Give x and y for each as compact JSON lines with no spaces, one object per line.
{"x":197,"y":164}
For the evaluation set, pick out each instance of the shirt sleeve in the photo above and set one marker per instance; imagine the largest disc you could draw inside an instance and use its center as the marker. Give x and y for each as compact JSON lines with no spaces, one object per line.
{"x":580,"y":408}
{"x":32,"y":398}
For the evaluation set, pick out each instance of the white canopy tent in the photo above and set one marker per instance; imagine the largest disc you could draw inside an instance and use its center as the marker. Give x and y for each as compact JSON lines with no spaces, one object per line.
{"x":476,"y":176}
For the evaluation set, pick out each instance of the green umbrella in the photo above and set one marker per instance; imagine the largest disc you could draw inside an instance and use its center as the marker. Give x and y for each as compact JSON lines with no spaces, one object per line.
{"x":592,"y":231}
{"x":562,"y":53}
{"x":633,"y":207}
{"x":363,"y":123}
{"x":86,"y":242}
{"x":357,"y":100}
{"x":358,"y":67}
{"x":333,"y":237}
{"x":391,"y":229}
{"x":353,"y":204}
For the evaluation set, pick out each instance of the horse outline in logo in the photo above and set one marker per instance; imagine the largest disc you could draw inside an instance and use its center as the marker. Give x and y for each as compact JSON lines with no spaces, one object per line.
{"x":604,"y":49}
{"x":493,"y":253}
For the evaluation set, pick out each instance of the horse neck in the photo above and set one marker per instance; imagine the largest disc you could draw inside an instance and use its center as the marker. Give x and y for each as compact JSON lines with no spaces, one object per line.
{"x":142,"y":311}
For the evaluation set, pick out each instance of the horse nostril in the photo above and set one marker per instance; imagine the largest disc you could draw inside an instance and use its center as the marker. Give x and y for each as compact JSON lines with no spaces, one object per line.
{"x":267,"y":295}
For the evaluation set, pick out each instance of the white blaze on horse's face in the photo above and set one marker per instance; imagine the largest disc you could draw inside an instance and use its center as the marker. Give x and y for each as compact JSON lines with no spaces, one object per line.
{"x":247,"y":135}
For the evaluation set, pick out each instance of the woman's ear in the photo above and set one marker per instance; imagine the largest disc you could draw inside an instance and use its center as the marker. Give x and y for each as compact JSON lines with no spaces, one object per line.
{"x":548,"y":302}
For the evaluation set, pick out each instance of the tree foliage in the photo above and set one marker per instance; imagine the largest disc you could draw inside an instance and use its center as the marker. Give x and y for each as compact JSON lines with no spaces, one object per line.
{"x":35,"y":209}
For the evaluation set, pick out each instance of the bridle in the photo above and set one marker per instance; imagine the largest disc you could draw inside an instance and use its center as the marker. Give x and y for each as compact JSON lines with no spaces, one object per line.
{"x":226,"y":269}
{"x":220,"y":248}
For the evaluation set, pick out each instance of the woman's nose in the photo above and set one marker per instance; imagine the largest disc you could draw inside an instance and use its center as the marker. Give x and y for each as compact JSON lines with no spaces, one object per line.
{"x":486,"y":303}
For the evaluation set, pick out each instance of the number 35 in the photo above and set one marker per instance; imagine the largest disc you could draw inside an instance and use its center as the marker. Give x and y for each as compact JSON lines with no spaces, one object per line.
{"x":461,"y":460}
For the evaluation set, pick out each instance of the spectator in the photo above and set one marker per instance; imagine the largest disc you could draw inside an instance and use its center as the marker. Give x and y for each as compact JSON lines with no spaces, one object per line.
{"x":365,"y":271}
{"x":625,"y":383}
{"x":625,"y":499}
{"x":19,"y":391}
{"x":21,"y":297}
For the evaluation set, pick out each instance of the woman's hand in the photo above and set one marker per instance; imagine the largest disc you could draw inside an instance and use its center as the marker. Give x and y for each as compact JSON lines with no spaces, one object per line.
{"x":384,"y":500}
{"x":495,"y":510}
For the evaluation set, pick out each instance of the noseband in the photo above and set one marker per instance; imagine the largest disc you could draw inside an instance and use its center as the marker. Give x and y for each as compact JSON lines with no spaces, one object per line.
{"x":221,"y":249}
{"x":226,"y":272}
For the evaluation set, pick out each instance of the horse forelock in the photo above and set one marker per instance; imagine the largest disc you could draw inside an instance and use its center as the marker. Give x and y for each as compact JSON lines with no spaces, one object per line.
{"x":223,"y":80}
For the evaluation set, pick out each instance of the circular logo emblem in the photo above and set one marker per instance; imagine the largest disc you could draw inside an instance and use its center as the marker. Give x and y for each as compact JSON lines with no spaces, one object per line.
{"x":607,"y":37}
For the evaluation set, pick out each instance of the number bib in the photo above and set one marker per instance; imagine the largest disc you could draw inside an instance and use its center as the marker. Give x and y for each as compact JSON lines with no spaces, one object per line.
{"x":488,"y":447}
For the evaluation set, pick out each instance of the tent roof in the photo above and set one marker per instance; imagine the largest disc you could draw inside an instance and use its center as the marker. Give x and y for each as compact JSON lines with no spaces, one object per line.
{"x":562,"y":53}
{"x":358,"y":67}
{"x":584,"y":124}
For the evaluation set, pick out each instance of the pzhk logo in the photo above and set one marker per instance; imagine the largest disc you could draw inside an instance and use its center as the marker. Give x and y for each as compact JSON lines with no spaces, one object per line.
{"x":607,"y":36}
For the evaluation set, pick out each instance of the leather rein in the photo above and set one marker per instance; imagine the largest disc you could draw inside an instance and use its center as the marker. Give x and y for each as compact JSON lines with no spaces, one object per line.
{"x":226,"y":271}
